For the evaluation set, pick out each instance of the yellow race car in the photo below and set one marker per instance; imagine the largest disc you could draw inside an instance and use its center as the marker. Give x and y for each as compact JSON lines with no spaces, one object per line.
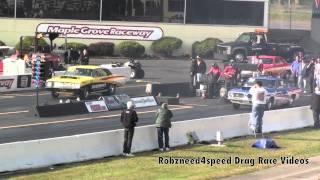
{"x":83,"y":80}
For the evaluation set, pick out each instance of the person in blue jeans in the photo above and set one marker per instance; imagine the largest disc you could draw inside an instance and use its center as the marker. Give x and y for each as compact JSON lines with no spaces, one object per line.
{"x":295,"y":70}
{"x":163,"y":123}
{"x":258,"y":95}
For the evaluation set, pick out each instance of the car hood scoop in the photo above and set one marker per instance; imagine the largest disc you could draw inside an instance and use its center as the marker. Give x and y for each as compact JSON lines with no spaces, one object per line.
{"x":68,"y":77}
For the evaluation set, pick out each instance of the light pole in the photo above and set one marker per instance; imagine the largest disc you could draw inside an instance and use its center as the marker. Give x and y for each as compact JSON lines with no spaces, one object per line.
{"x":290,"y":15}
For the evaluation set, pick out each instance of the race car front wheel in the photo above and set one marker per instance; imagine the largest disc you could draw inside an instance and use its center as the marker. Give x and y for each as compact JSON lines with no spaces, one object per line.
{"x":54,"y":94}
{"x":133,"y":74}
{"x":236,"y":106}
{"x":270,"y":104}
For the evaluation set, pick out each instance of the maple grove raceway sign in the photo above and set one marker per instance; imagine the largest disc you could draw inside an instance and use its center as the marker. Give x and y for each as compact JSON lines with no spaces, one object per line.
{"x":89,"y":31}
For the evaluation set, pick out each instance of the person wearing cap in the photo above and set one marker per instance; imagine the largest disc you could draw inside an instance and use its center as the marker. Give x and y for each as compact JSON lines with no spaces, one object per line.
{"x":213,"y":77}
{"x":128,"y":118}
{"x":315,"y":106}
{"x":163,"y":123}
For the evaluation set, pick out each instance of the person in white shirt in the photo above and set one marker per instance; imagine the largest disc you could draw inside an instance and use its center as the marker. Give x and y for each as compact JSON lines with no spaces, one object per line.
{"x":259,"y":99}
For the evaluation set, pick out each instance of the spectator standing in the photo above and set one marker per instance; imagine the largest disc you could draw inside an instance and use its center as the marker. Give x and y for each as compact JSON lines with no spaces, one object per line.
{"x":85,"y":56}
{"x":81,"y":57}
{"x":163,"y":123}
{"x":129,"y":118}
{"x":213,"y":77}
{"x":258,"y":94}
{"x":315,"y":106}
{"x":201,"y":69}
{"x":295,"y":66}
{"x":310,"y":72}
{"x":230,"y":73}
{"x":317,"y":72}
{"x":303,"y":75}
{"x":193,"y":72}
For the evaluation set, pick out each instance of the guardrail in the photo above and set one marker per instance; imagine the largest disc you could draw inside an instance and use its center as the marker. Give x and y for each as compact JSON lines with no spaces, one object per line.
{"x":46,"y":152}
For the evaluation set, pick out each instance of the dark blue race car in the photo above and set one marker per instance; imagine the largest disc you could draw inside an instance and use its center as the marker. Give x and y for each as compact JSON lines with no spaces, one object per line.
{"x":279,"y":92}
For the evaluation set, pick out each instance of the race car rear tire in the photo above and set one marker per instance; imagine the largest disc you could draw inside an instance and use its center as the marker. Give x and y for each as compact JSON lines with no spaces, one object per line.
{"x":292,"y":99}
{"x":84,"y":93}
{"x":235,"y":106}
{"x":54,"y":94}
{"x":140,"y":74}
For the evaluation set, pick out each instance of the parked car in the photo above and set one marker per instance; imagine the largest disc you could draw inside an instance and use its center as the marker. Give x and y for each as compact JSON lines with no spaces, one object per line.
{"x":265,"y":65}
{"x":279,"y":92}
{"x":55,"y":60}
{"x":83,"y":80}
{"x":252,"y":43}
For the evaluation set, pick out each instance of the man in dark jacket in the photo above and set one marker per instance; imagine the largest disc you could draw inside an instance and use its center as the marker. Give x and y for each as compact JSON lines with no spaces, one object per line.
{"x":315,"y":106}
{"x":310,"y":73}
{"x":193,"y":72}
{"x":163,"y":123}
{"x":129,"y":118}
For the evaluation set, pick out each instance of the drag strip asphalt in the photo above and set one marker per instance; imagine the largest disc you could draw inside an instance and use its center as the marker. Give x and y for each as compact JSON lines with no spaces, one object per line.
{"x":24,"y":126}
{"x":173,"y":108}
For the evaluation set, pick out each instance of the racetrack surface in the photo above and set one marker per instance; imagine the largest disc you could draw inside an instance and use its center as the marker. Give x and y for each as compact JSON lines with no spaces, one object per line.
{"x":18,"y":123}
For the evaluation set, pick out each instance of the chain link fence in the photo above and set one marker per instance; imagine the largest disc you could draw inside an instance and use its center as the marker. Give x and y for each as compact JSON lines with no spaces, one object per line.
{"x":290,"y":14}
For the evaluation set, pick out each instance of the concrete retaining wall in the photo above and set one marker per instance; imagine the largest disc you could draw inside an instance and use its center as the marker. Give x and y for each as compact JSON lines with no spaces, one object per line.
{"x":46,"y":152}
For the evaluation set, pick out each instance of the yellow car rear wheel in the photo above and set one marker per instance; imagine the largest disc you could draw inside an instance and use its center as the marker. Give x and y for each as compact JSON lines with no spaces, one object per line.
{"x":84,"y":93}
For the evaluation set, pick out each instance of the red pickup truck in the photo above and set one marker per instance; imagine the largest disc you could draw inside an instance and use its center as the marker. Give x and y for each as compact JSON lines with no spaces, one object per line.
{"x":266,"y":65}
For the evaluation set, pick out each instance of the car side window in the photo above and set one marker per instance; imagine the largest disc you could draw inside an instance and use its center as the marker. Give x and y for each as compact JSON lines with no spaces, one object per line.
{"x":101,"y":72}
{"x":267,"y":61}
{"x":283,"y":61}
{"x":108,"y":73}
{"x":95,"y":73}
{"x":277,"y":61}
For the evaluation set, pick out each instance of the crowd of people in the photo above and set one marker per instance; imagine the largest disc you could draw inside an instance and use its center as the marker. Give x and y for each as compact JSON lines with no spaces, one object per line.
{"x":198,"y":74}
{"x":306,"y":74}
{"x":73,"y":56}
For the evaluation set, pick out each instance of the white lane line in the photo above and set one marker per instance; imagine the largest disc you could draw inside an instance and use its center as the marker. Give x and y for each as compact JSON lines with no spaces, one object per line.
{"x":133,"y":86}
{"x":26,"y":95}
{"x":6,"y":97}
{"x":13,"y":112}
{"x":200,"y":105}
{"x":89,"y":118}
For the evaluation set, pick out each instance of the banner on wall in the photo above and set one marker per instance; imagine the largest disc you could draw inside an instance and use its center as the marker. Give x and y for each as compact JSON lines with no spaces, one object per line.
{"x":96,"y":106}
{"x":147,"y":101}
{"x":90,"y":31}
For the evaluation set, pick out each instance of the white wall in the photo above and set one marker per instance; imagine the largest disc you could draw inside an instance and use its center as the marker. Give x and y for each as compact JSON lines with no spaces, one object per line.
{"x":46,"y":152}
